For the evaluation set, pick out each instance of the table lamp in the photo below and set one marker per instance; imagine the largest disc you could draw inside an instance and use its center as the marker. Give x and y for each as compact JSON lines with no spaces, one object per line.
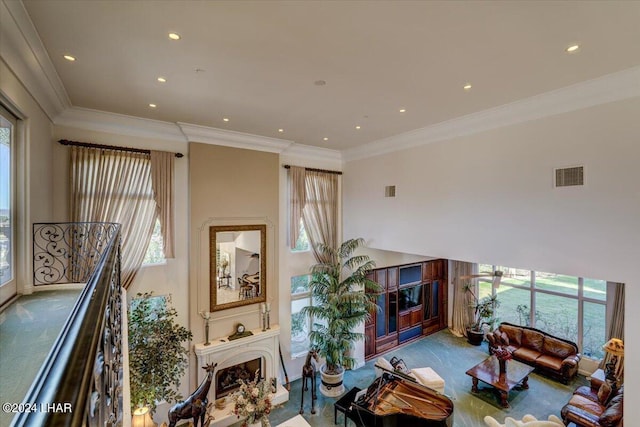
{"x":615,"y":347}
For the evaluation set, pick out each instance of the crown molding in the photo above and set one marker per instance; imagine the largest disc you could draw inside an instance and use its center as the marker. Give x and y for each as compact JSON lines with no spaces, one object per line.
{"x":301,"y":152}
{"x":120,"y":124}
{"x":209,"y":135}
{"x":24,"y":53}
{"x":601,"y":90}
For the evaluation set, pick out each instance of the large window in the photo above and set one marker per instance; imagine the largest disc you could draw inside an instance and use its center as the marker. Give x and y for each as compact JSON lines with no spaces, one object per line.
{"x":155,"y":253}
{"x":7,"y":206}
{"x":569,"y":307}
{"x":300,"y":325}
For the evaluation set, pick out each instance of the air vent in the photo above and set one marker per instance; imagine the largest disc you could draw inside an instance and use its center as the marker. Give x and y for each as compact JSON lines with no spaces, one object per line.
{"x":568,"y":177}
{"x":390,"y":191}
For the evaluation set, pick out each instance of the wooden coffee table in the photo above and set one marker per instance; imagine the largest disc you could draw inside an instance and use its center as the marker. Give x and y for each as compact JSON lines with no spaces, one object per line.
{"x":488,"y":371}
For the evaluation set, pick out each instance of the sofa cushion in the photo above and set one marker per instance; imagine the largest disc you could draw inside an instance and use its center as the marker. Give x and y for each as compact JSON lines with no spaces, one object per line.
{"x":587,"y":405}
{"x":557,"y":347}
{"x":526,"y":354}
{"x":550,"y":362}
{"x":504,"y":337}
{"x":613,"y":412}
{"x":514,"y":334}
{"x":532,"y":339}
{"x":588,"y":392}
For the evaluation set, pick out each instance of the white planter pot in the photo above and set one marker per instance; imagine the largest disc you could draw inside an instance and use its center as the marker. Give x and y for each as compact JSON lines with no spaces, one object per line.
{"x":331,"y":385}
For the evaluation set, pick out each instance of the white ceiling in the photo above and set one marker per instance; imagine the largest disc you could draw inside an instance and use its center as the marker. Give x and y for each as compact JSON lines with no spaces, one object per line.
{"x":261,"y":60}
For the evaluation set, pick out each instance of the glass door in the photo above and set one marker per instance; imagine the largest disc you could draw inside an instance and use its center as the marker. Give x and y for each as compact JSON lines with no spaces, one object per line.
{"x":8,"y":286}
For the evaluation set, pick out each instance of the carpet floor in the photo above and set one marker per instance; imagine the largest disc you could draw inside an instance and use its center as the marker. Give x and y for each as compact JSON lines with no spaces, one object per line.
{"x":450,"y":357}
{"x":28,"y":329}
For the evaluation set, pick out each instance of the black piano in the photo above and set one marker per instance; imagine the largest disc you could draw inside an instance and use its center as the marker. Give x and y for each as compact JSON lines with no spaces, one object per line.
{"x":394,"y":400}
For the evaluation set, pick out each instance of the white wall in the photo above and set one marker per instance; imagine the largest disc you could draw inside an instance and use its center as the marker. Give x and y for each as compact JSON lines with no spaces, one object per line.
{"x":489,"y":198}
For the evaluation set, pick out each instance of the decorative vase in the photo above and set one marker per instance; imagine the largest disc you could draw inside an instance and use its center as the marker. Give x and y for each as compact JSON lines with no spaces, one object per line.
{"x":331,"y":385}
{"x":503,"y":365}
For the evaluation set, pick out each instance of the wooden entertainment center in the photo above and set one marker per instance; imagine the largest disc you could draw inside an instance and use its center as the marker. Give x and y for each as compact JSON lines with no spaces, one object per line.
{"x":413,"y":303}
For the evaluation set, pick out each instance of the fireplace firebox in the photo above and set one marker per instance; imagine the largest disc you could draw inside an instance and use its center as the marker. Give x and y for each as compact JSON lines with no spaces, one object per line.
{"x":227,"y":378}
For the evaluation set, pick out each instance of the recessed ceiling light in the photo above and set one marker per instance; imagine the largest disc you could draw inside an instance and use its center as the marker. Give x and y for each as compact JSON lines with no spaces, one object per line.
{"x":573,"y":48}
{"x":174,"y":36}
{"x":357,"y":127}
{"x":162,"y":80}
{"x":280,"y":130}
{"x":69,"y":58}
{"x":152,"y":105}
{"x":225,"y":119}
{"x":402,"y":110}
{"x":325,"y":139}
{"x":467,"y":86}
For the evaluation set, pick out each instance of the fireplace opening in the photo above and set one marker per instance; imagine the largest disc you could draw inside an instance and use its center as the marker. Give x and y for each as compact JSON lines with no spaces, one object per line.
{"x":227,"y":378}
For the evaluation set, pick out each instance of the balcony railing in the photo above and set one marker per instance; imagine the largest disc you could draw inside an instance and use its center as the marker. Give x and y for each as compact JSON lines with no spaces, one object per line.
{"x":80,"y":382}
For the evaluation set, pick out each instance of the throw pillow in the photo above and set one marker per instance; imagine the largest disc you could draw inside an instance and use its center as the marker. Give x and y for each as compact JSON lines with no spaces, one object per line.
{"x":505,"y":338}
{"x":604,"y":392}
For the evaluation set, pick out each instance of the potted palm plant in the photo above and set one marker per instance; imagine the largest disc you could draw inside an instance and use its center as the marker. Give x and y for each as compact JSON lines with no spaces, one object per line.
{"x":483,"y":315}
{"x":342,"y":298}
{"x":157,"y":357}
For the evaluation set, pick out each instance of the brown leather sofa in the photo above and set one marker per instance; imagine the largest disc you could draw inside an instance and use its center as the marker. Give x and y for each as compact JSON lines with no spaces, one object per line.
{"x":594,"y":408}
{"x":534,"y":347}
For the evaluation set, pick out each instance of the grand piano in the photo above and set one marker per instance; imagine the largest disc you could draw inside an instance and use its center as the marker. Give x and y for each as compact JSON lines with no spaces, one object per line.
{"x":395,"y":400}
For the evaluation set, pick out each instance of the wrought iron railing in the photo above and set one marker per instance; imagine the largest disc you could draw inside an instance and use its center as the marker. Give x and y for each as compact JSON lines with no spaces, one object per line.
{"x":80,"y":382}
{"x":68,"y":252}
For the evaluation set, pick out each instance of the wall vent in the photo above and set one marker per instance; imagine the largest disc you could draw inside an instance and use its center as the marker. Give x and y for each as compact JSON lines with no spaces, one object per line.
{"x":390,"y":191}
{"x":567,"y":177}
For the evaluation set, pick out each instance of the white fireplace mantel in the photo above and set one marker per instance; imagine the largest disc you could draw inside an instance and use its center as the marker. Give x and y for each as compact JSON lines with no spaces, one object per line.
{"x":226,"y":353}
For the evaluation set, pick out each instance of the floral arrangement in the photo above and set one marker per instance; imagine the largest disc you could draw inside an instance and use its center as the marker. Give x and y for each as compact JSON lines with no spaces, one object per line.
{"x":253,"y":401}
{"x":502,"y":353}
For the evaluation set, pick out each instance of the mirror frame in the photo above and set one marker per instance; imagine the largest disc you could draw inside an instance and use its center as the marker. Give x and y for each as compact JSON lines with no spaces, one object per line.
{"x":213,"y":267}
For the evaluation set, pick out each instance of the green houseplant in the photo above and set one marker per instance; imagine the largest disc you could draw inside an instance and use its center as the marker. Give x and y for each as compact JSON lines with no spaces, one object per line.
{"x":157,"y":358}
{"x":342,"y":298}
{"x":483,"y":315}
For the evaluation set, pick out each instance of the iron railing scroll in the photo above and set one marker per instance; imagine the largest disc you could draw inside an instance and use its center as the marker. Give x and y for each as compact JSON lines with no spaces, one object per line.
{"x":80,"y":382}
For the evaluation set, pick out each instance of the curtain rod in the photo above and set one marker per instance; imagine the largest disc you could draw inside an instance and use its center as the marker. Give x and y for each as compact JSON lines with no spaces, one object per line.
{"x":109,"y":147}
{"x":316,"y":170}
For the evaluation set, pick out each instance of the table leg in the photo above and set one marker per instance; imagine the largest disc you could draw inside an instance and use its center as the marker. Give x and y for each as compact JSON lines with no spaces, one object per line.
{"x":474,"y":387}
{"x":503,"y":399}
{"x":525,"y":382}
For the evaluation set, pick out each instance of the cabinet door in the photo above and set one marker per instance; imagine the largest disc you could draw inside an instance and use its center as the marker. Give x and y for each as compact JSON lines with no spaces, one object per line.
{"x":381,"y":278}
{"x":392,"y":317}
{"x":392,"y":277}
{"x":416,"y":316}
{"x":381,"y":316}
{"x":369,"y":341}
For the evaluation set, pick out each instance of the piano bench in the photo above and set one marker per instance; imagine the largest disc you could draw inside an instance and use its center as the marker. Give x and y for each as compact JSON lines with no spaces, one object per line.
{"x":343,"y":405}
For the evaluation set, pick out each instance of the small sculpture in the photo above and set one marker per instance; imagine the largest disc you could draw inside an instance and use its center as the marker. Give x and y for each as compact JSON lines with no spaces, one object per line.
{"x":195,"y":406}
{"x":309,"y":371}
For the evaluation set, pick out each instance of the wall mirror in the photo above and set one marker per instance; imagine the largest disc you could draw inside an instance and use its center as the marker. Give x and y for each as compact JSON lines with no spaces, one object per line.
{"x":238,"y":265}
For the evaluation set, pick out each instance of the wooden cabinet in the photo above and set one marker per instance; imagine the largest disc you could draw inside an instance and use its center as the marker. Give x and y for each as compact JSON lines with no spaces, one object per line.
{"x":411,"y":304}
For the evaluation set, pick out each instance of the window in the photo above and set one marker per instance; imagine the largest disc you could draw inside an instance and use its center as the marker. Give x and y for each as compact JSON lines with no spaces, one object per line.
{"x":8,"y":286}
{"x":569,"y":307}
{"x":302,"y":244}
{"x":300,"y":325}
{"x":155,"y":254}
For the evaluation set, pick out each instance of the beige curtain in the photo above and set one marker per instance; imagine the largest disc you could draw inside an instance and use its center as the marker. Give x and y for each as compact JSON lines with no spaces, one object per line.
{"x":297,"y":199}
{"x":115,"y":186}
{"x":461,"y":312}
{"x":320,"y":213}
{"x":616,"y":327}
{"x":162,"y":165}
